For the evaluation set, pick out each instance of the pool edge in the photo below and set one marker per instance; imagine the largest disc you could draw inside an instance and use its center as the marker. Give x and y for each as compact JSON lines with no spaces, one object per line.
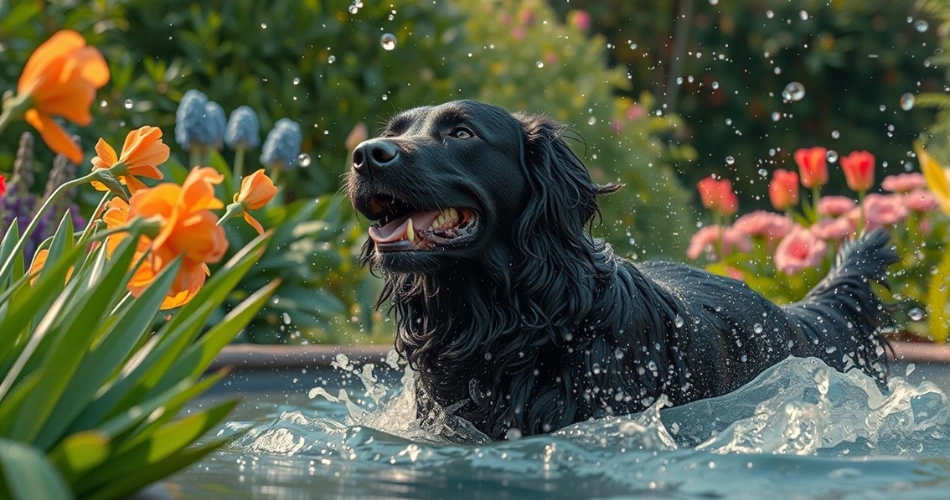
{"x":251,"y":357}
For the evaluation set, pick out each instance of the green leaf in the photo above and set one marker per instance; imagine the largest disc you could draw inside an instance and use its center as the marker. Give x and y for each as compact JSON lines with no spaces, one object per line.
{"x":28,"y":474}
{"x":128,"y":327}
{"x":163,"y":444}
{"x":198,"y":356}
{"x":62,"y":241}
{"x":6,"y":248}
{"x":78,"y":453}
{"x":938,"y":296}
{"x":72,"y":339}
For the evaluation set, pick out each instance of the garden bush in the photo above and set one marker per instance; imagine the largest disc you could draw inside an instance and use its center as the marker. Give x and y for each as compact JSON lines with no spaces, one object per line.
{"x":325,"y":68}
{"x":855,"y":60}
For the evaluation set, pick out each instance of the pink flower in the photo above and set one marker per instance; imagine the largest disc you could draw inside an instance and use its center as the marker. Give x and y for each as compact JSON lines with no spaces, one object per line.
{"x":706,"y":239}
{"x":635,"y":112}
{"x":904,"y":183}
{"x":833,"y":206}
{"x":769,"y":225}
{"x":921,"y":200}
{"x":884,"y":210}
{"x":799,"y":250}
{"x":518,"y":33}
{"x":833,"y":229}
{"x":579,"y":19}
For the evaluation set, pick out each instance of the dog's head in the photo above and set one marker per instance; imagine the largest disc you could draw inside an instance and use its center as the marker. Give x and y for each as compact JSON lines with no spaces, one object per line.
{"x":447,"y":185}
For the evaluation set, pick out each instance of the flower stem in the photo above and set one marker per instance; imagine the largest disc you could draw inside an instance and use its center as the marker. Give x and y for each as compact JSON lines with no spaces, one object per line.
{"x":34,"y":222}
{"x":233,"y":210}
{"x":814,"y":199}
{"x":194,"y":156}
{"x":13,"y":109}
{"x":238,"y":167}
{"x":720,"y":243}
{"x":861,"y":220}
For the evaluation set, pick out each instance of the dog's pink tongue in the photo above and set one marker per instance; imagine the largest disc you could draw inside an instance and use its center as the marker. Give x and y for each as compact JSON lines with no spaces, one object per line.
{"x":397,"y":229}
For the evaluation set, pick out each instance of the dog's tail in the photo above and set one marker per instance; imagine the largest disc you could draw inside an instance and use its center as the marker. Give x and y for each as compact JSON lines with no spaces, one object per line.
{"x":842,"y":317}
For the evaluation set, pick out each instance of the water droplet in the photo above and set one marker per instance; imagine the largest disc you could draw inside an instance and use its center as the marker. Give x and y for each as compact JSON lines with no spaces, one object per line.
{"x":263,"y":26}
{"x":303,"y":160}
{"x":713,"y":2}
{"x":769,"y":14}
{"x":633,"y":46}
{"x":296,"y":81}
{"x":794,"y":91}
{"x":757,"y":328}
{"x":835,"y":134}
{"x":715,"y":85}
{"x":916,"y":314}
{"x":730,"y":160}
{"x":907,"y":101}
{"x":128,"y":104}
{"x":385,"y":97}
{"x":513,"y":434}
{"x":831,"y":156}
{"x":763,"y":172}
{"x":743,"y":358}
{"x":678,"y":321}
{"x":540,"y":64}
{"x":331,"y":59}
{"x":921,"y":25}
{"x":910,"y":369}
{"x":776,"y":116}
{"x":103,"y":104}
{"x":803,"y":15}
{"x":591,"y":120}
{"x":354,"y":9}
{"x":388,"y":41}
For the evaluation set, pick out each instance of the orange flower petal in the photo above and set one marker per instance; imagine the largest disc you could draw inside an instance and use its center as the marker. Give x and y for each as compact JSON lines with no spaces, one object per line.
{"x":253,"y":222}
{"x":60,"y":45}
{"x":256,"y":191}
{"x":106,"y":155}
{"x":54,"y":136}
{"x":198,"y":189}
{"x":70,"y":99}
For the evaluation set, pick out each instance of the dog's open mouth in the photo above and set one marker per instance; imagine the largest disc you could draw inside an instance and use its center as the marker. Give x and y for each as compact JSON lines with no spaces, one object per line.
{"x":402,"y":226}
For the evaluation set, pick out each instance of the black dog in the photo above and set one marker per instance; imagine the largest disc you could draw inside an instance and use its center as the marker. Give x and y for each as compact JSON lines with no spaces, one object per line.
{"x":516,"y":318}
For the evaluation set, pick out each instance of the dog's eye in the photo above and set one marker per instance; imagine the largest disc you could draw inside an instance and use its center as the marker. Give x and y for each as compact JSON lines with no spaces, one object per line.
{"x":462,"y":133}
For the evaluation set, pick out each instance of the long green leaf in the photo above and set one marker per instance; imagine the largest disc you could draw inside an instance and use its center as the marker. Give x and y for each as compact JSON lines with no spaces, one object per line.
{"x":73,"y":337}
{"x":28,"y":475}
{"x":199,"y":355}
{"x":79,"y":453}
{"x":62,"y":241}
{"x":10,"y":405}
{"x":131,"y":483}
{"x":162,"y":444}
{"x":6,"y":248}
{"x":130,"y":325}
{"x":174,"y":337}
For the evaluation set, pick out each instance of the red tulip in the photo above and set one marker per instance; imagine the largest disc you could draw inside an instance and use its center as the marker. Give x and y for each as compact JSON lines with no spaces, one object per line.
{"x":783,"y":189}
{"x":812,"y":164}
{"x":718,"y":196}
{"x":859,"y":170}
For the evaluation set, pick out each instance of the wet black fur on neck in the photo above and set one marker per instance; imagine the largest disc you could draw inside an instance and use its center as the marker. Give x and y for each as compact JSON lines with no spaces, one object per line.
{"x":552,"y":328}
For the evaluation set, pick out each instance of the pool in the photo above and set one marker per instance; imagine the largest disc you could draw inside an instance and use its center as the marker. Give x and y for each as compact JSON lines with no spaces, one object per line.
{"x":800,"y":430}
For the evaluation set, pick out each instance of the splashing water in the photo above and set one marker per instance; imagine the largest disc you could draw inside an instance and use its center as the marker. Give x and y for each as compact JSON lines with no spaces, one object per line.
{"x":800,"y":428}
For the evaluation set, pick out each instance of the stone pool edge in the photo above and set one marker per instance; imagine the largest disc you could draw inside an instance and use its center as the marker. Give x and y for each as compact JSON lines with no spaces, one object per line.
{"x":250,"y":357}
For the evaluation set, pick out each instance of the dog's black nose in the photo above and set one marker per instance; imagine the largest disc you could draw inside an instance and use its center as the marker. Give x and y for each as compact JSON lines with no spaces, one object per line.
{"x":374,"y":155}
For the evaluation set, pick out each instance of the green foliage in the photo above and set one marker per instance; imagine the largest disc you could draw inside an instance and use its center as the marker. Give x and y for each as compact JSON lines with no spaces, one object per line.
{"x":276,"y":57}
{"x":938,"y":134}
{"x":88,"y":392}
{"x":855,"y":59}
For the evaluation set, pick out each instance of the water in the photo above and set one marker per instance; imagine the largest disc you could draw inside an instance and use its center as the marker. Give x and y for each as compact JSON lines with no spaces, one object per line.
{"x":800,"y":430}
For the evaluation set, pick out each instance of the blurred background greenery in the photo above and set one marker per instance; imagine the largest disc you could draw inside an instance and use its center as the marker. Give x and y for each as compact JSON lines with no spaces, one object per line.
{"x":659,"y":94}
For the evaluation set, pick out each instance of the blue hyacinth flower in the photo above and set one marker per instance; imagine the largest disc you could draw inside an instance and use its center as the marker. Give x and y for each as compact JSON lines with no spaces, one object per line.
{"x":282,"y":145}
{"x":243,"y":129}
{"x":216,"y":123}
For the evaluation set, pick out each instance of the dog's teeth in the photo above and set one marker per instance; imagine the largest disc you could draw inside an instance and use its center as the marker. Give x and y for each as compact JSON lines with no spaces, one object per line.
{"x":453,"y":215}
{"x":410,"y":233}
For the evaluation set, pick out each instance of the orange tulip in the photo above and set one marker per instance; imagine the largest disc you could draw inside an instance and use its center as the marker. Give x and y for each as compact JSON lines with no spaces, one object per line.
{"x":812,"y":163}
{"x":188,"y":230}
{"x":718,"y":196}
{"x":60,"y":79}
{"x":256,"y":191}
{"x":783,"y":189}
{"x":142,"y":153}
{"x":858,"y":170}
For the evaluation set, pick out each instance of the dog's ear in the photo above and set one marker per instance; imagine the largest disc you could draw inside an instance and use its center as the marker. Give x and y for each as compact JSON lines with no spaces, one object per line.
{"x":557,"y":256}
{"x":563,"y":198}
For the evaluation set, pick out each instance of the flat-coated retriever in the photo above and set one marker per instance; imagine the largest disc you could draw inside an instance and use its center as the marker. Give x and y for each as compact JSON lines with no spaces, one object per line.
{"x":514,"y":317}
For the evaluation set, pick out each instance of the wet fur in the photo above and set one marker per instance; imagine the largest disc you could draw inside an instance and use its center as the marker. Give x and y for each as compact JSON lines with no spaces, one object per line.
{"x":540,"y":325}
